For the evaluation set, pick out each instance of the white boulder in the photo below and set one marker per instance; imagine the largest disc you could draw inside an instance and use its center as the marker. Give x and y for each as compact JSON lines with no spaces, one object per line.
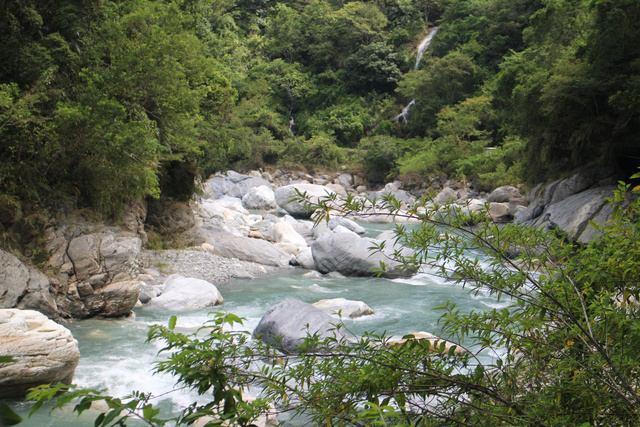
{"x":182,"y":293}
{"x":44,"y":352}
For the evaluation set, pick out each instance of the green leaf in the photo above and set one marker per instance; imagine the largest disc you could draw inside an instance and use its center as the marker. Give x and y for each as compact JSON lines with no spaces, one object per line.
{"x":172,"y":322}
{"x":7,"y":359}
{"x":8,"y":417}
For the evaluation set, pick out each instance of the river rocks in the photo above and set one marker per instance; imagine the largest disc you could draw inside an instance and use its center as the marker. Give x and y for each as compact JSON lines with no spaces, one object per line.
{"x":314,"y":193}
{"x":287,"y":237}
{"x":286,"y":325}
{"x":344,"y":307}
{"x":447,"y":195}
{"x":232,"y":184}
{"x":182,"y":293}
{"x":349,"y":254}
{"x":504,"y":194}
{"x":304,"y":259}
{"x":247,"y":249}
{"x":23,"y":286}
{"x":45,"y":352}
{"x":261,"y":197}
{"x":347,"y":223}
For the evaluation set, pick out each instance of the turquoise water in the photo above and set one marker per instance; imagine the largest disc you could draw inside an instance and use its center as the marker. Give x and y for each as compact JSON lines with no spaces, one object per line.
{"x":115,"y":357}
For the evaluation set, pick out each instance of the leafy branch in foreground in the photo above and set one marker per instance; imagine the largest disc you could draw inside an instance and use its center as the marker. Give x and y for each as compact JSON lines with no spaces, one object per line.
{"x":563,"y":352}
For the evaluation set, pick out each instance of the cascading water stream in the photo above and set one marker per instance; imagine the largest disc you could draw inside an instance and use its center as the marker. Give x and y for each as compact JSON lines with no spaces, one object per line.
{"x":422,"y":48}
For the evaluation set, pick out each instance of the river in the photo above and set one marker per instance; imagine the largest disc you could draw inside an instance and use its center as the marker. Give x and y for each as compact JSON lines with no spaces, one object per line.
{"x":115,"y":357}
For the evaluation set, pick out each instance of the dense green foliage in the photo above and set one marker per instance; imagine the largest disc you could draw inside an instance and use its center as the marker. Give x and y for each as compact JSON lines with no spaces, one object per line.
{"x":106,"y":102}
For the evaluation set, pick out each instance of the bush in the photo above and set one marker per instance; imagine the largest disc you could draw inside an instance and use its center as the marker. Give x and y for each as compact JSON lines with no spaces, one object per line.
{"x":379,"y":157}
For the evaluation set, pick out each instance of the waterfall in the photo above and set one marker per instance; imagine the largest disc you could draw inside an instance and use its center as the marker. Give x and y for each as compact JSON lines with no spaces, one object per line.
{"x":291,"y":123}
{"x":422,"y":48}
{"x":424,"y":45}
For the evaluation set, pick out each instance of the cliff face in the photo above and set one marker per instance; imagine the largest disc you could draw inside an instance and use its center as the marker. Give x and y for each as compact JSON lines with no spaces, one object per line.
{"x":92,"y":267}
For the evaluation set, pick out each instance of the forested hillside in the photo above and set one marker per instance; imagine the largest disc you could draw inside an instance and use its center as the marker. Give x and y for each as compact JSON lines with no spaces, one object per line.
{"x":105,"y":102}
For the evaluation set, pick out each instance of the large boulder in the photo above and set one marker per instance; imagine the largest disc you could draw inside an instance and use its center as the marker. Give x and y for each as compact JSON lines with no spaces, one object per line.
{"x":296,"y":208}
{"x":344,"y":307}
{"x":96,"y":269}
{"x":542,"y":196}
{"x":261,"y":197}
{"x":44,"y":352}
{"x":182,"y":293}
{"x":287,"y":324}
{"x":572,"y":215}
{"x":350,"y":255}
{"x":23,"y":286}
{"x":246,"y":248}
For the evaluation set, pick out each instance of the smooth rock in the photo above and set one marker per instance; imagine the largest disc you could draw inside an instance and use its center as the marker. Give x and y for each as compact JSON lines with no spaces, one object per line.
{"x":183,"y":293}
{"x":572,"y":215}
{"x":447,"y":195}
{"x":347,"y":223}
{"x":304,"y":259}
{"x":349,"y":254}
{"x":261,"y":197}
{"x":296,"y":208}
{"x":45,"y":352}
{"x":286,"y":325}
{"x":245,"y":248}
{"x":504,"y":194}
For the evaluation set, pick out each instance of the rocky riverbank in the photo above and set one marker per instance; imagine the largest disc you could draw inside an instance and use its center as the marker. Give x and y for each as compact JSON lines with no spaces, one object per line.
{"x":245,"y":225}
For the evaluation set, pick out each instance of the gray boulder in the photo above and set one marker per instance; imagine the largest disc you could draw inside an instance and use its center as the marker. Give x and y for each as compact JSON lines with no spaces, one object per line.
{"x":304,"y":259}
{"x":286,"y":325}
{"x":246,"y":248}
{"x":504,"y":194}
{"x":447,"y":195}
{"x":261,"y":197}
{"x":573,"y":214}
{"x":541,"y":196}
{"x":23,"y":286}
{"x":350,"y":255}
{"x":182,"y":293}
{"x":44,"y":351}
{"x":296,"y":208}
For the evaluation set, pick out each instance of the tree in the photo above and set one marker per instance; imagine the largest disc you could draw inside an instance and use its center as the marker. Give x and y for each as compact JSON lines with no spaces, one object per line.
{"x":563,"y":353}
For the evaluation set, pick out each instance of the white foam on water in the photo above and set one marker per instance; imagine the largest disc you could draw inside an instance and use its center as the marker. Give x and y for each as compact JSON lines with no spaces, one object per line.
{"x":316,"y":288}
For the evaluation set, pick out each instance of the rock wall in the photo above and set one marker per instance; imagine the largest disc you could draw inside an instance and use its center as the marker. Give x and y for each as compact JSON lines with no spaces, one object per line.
{"x":95,"y":269}
{"x":569,"y":205}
